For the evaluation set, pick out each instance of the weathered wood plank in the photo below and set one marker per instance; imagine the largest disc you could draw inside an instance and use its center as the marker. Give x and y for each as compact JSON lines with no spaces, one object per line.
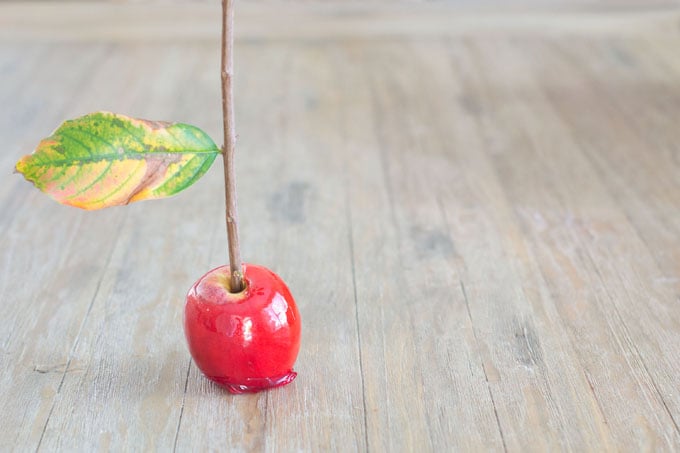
{"x":633,"y":150}
{"x":642,"y":259}
{"x":129,"y":358}
{"x":41,"y":320}
{"x":586,"y":248}
{"x":476,"y":212}
{"x":424,"y":382}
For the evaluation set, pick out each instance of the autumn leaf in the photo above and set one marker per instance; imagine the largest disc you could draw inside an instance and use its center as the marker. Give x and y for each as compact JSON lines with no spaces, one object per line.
{"x":105,"y":159}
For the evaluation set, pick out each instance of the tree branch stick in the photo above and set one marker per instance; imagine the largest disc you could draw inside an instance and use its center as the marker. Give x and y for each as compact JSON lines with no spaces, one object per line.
{"x":235,"y":264}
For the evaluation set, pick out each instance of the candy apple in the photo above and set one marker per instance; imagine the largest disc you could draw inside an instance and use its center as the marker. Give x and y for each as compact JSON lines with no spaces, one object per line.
{"x":246,"y":341}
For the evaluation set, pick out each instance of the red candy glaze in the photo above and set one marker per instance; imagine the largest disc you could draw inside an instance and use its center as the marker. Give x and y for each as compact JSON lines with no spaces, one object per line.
{"x":245,"y":342}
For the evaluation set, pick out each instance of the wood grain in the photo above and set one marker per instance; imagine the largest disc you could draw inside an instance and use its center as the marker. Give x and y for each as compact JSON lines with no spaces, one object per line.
{"x":477,"y":210}
{"x":328,"y":21}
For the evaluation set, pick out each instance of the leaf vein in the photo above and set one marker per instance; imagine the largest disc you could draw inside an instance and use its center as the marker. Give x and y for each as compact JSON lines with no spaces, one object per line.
{"x":119,"y":157}
{"x":104,"y":172}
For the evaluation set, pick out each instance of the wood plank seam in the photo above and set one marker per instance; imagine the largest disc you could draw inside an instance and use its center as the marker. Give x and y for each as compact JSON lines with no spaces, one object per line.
{"x":74,"y":346}
{"x":474,"y":334}
{"x":181,"y":411}
{"x":350,"y":240}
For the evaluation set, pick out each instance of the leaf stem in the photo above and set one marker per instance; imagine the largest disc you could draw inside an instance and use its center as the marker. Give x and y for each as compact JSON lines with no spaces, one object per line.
{"x":235,"y":264}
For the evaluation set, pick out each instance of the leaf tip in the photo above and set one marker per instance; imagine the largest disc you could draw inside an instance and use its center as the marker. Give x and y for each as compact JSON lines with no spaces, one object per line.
{"x":20,"y":166}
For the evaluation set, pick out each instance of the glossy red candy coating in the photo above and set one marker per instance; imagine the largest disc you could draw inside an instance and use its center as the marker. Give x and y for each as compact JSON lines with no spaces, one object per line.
{"x":248,"y":341}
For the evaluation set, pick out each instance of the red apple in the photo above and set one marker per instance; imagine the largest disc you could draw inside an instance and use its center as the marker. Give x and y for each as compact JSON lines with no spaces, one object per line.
{"x":246,"y":341}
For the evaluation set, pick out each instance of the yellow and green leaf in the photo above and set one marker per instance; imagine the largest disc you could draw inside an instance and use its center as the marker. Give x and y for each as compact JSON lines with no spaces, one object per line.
{"x":105,"y":159}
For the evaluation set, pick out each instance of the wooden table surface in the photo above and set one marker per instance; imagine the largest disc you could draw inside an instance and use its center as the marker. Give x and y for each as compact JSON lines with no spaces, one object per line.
{"x":477,"y":209}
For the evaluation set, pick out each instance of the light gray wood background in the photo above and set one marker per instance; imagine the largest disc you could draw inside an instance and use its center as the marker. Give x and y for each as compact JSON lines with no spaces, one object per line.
{"x":477,"y":209}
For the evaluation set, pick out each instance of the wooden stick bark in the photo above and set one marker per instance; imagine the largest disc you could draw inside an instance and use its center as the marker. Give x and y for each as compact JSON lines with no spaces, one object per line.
{"x":235,"y":264}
